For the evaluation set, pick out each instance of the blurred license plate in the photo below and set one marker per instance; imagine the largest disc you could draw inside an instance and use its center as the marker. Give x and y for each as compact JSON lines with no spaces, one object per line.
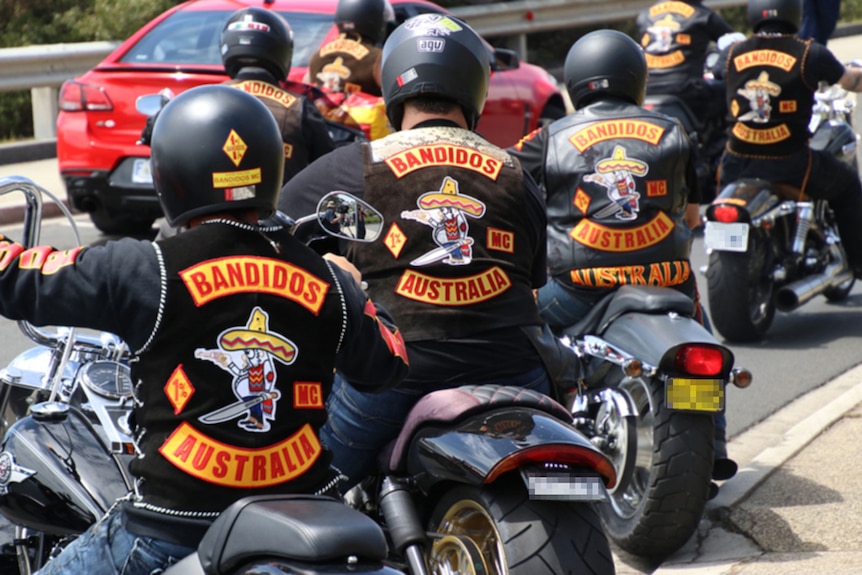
{"x":564,"y":486}
{"x":141,"y":172}
{"x":695,"y":394}
{"x":726,"y":237}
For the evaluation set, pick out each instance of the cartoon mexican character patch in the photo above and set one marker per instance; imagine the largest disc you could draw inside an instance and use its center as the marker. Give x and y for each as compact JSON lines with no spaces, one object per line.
{"x":446,"y":212}
{"x":333,"y":75}
{"x":617,"y":175}
{"x":758,"y":93}
{"x":247,"y":353}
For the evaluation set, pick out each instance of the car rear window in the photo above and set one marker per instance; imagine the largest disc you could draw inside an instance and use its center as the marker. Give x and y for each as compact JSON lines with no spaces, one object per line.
{"x":192,"y":38}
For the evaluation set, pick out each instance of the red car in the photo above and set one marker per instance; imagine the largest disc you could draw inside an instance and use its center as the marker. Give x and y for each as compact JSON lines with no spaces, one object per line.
{"x":108,"y":175}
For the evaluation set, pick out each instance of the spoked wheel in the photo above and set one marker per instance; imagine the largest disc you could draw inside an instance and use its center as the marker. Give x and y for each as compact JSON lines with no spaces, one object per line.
{"x":457,"y":555}
{"x":741,"y":290}
{"x":655,"y":509}
{"x":514,"y":534}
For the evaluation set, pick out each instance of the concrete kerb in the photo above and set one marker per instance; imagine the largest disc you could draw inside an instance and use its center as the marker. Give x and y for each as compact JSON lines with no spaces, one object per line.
{"x":761,"y":451}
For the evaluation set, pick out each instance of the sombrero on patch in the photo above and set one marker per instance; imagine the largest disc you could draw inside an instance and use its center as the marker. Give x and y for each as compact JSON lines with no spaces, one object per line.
{"x":256,"y":336}
{"x":619,"y":161}
{"x":448,"y":197}
{"x":763,"y":83}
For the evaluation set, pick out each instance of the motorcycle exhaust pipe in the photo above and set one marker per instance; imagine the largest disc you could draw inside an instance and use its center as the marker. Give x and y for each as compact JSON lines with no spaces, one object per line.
{"x":801,"y":291}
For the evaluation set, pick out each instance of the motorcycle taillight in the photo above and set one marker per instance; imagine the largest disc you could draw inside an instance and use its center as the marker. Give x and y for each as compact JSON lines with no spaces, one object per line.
{"x":725,"y":214}
{"x":699,"y":360}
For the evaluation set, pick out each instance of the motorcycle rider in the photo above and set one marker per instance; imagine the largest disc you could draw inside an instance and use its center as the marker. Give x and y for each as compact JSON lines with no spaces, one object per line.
{"x":621,"y":190}
{"x":676,"y":36}
{"x":218,"y":316}
{"x":464,"y":242}
{"x":351,"y":62}
{"x":771,"y":102}
{"x":256,"y":47}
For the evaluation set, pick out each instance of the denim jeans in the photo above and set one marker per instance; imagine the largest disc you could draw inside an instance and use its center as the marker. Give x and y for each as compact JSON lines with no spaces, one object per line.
{"x":360,"y":425}
{"x":106,"y":548}
{"x":560,"y":307}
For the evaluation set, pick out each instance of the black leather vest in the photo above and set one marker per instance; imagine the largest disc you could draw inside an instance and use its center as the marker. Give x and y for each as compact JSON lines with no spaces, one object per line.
{"x":233,"y":384}
{"x":616,"y":194}
{"x":456,"y":254}
{"x":287,"y":110}
{"x":345,"y":65}
{"x":767,"y":96}
{"x":675,"y":41}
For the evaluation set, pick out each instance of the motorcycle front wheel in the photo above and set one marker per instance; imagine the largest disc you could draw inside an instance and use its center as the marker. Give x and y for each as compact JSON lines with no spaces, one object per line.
{"x":497,"y":529}
{"x":741,"y":290}
{"x":657,"y":507}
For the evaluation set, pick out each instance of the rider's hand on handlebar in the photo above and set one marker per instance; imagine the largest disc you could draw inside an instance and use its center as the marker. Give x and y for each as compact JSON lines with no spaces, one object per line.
{"x":342,"y":262}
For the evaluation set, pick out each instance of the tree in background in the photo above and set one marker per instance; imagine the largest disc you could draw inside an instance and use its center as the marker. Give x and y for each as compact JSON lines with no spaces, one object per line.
{"x":36,"y":22}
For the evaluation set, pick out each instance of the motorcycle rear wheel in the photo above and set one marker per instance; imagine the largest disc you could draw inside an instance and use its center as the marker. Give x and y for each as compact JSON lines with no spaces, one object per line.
{"x":657,"y":509}
{"x":515,"y":535}
{"x":741,"y":290}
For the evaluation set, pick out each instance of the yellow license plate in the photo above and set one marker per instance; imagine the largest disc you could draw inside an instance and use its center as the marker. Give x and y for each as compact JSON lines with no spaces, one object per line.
{"x":695,"y":394}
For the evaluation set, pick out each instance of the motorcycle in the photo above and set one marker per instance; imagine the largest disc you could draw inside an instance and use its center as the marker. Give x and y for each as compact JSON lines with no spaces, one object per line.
{"x":66,"y":446}
{"x":490,"y":479}
{"x":646,"y":383}
{"x":771,"y":249}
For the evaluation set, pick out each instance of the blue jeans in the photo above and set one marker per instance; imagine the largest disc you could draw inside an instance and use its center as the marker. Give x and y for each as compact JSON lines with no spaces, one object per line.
{"x":360,"y":425}
{"x":560,"y":307}
{"x":106,"y":548}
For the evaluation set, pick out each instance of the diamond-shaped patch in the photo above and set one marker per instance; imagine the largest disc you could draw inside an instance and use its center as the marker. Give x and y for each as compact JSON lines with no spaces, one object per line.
{"x":235,"y":148}
{"x":395,"y":240}
{"x":179,"y":389}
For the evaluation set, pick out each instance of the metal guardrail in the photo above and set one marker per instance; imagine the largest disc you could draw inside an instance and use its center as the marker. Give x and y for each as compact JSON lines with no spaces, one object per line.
{"x":42,"y":69}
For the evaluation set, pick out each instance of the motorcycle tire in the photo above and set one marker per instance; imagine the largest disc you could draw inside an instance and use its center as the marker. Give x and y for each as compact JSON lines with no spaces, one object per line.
{"x":514,"y":534}
{"x":741,"y":290}
{"x":656,"y":510}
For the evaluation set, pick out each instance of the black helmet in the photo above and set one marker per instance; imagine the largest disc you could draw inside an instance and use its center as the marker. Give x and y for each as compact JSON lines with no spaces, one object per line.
{"x":364,"y":17}
{"x":605,"y":62}
{"x":256,"y":37}
{"x":787,"y":13}
{"x":215,"y":148}
{"x":439,"y":55}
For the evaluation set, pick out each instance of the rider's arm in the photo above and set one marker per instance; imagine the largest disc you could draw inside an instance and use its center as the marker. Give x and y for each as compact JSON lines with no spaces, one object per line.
{"x":530,"y":151}
{"x":114,"y":287}
{"x":315,"y":131}
{"x":851,"y":80}
{"x":372,"y":356}
{"x":538,"y":217}
{"x":341,"y":169}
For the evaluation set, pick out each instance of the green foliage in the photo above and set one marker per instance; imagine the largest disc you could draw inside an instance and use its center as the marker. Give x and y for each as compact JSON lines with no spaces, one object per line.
{"x":36,"y":22}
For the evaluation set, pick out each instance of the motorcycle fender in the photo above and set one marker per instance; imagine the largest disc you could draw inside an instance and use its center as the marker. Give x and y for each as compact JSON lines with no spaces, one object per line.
{"x":471,"y":451}
{"x":648,"y":337}
{"x":755,"y":196}
{"x":75,"y":481}
{"x":832,"y":136}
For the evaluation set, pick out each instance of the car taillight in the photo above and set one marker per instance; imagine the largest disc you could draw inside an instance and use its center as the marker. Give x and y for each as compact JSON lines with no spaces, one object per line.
{"x":725,"y":214}
{"x":699,"y":360}
{"x":77,"y":97}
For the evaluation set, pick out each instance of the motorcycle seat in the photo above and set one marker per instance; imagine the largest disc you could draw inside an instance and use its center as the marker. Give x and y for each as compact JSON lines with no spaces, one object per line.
{"x":452,"y":405}
{"x":308,"y":528}
{"x":629,"y":298}
{"x":790,"y":192}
